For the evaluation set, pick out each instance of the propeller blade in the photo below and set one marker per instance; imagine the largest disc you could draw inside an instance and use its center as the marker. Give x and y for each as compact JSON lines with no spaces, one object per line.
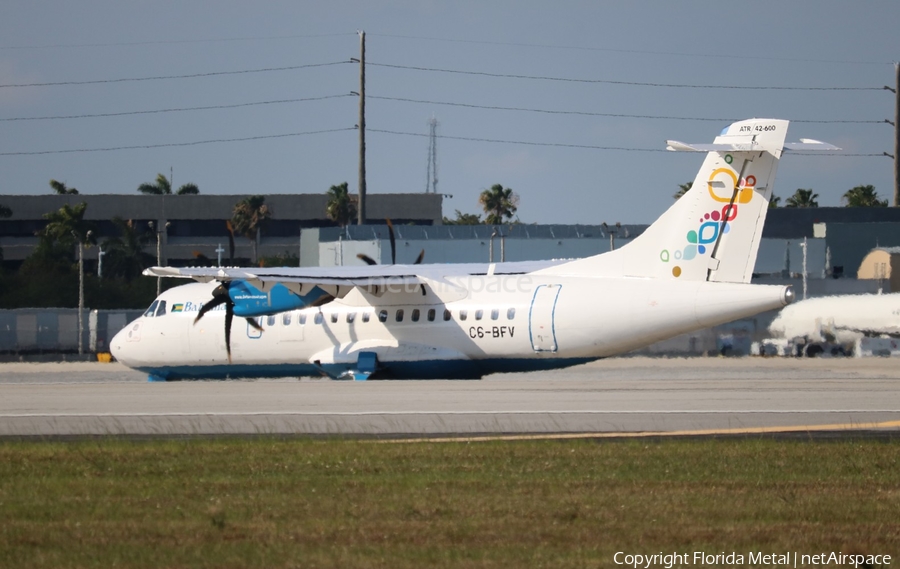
{"x":252,"y":322}
{"x":229,"y":316}
{"x":393,"y":242}
{"x":420,"y":257}
{"x":369,"y":260}
{"x":216,"y":301}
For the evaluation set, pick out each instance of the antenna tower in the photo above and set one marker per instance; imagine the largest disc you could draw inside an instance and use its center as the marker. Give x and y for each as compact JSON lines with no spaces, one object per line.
{"x":431,"y":177}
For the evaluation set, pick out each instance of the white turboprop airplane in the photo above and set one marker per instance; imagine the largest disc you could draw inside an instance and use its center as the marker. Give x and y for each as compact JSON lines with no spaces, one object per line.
{"x":841,"y":319}
{"x":689,"y":270}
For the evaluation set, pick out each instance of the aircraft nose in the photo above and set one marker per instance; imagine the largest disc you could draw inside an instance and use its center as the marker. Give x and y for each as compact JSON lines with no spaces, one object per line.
{"x":117,"y":345}
{"x":121,"y":344}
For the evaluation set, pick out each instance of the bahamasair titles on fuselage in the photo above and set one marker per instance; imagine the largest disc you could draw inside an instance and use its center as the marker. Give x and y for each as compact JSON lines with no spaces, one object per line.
{"x":689,"y":270}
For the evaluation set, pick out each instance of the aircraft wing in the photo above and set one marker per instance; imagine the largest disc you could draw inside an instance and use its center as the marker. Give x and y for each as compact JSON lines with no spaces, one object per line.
{"x":361,"y":276}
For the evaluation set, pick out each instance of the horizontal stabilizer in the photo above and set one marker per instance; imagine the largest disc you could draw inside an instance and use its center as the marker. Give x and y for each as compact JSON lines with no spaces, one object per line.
{"x":804,"y":144}
{"x":810,"y":144}
{"x":676,"y":146}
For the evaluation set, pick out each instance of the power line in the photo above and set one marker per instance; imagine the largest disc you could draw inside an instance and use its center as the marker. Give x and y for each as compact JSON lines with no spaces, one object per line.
{"x":171,"y":42}
{"x":593,"y":114}
{"x":175,"y":144}
{"x":176,"y":110}
{"x":383,"y":131}
{"x":585,"y":146}
{"x":159,"y":77}
{"x":635,"y":51}
{"x":495,"y":140}
{"x":626,"y":83}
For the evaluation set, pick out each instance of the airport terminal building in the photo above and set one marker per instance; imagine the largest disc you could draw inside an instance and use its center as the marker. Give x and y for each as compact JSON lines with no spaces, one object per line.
{"x":192,"y":224}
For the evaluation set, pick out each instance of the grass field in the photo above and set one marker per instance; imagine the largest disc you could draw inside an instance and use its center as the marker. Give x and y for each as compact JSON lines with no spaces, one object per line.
{"x":339,"y":503}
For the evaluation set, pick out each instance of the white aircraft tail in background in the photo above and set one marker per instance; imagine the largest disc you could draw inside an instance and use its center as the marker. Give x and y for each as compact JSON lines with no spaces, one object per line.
{"x":689,"y":270}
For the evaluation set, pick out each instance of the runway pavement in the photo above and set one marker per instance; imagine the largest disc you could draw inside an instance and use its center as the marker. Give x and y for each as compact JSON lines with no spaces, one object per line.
{"x":615,"y":397}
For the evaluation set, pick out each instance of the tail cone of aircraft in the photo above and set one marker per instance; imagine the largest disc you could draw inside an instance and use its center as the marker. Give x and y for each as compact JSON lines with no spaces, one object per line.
{"x":370,"y":261}
{"x":221,"y":296}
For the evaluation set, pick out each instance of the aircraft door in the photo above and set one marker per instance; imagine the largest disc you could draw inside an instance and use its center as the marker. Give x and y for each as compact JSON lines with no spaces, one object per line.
{"x":541,"y":325}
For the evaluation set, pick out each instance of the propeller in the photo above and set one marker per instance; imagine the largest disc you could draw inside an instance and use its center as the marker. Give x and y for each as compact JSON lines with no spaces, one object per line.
{"x":220,"y":296}
{"x":370,"y":261}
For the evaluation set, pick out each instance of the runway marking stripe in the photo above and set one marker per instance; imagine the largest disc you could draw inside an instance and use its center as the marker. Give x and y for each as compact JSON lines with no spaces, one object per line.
{"x":645,"y":434}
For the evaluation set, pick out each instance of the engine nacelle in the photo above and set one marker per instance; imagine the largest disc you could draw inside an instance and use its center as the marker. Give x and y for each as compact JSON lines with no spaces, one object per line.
{"x":249,"y":301}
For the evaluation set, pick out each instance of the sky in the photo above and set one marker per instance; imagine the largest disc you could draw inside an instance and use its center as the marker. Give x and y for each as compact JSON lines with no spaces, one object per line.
{"x":569,"y":103}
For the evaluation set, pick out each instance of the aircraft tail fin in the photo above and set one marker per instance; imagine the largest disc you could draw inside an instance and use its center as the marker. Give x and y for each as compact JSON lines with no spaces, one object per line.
{"x":712,"y":232}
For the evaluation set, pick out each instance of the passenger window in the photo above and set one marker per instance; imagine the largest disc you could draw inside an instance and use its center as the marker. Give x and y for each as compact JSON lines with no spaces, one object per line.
{"x":415,"y":315}
{"x":151,"y":312}
{"x":382,"y":315}
{"x":495,"y":314}
{"x":351,"y":316}
{"x":319,"y":318}
{"x":447,"y":315}
{"x":463,"y":314}
{"x":365,"y":317}
{"x":286,"y":318}
{"x":478,"y":314}
{"x":334,"y":317}
{"x":400,"y":315}
{"x":431,"y":314}
{"x":511,"y":314}
{"x":302,"y":319}
{"x":161,"y":309}
{"x":270,"y":320}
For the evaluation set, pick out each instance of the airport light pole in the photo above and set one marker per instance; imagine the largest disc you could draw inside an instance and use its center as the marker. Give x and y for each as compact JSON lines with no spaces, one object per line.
{"x":159,"y":233}
{"x":612,"y":233}
{"x":81,"y":288}
{"x":491,"y":253}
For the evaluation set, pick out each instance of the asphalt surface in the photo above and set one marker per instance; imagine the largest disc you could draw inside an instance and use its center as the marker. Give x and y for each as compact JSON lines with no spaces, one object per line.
{"x":615,"y":397}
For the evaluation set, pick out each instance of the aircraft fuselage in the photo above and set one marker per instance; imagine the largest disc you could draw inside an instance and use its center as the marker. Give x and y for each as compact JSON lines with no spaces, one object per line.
{"x":471,"y":327}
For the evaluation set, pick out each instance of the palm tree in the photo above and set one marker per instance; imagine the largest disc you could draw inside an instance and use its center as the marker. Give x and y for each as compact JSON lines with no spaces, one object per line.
{"x":682,"y":189}
{"x":341,"y":207}
{"x":498,"y":203}
{"x":68,"y":227}
{"x":247,"y":218}
{"x":61,"y":188}
{"x":863,"y":196}
{"x":774,"y":201}
{"x":802,"y":198}
{"x":125,"y":255}
{"x":164,"y":187}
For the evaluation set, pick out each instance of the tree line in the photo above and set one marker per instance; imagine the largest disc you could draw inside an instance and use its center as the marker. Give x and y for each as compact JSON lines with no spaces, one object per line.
{"x":857,"y":196}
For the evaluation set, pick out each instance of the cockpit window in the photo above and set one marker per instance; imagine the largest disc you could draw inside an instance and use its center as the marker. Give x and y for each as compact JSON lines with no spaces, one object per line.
{"x":152,"y":310}
{"x":161,"y":309}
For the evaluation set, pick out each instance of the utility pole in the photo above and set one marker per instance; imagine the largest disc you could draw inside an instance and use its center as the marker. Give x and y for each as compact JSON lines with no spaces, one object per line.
{"x":897,"y":136}
{"x":361,"y":209}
